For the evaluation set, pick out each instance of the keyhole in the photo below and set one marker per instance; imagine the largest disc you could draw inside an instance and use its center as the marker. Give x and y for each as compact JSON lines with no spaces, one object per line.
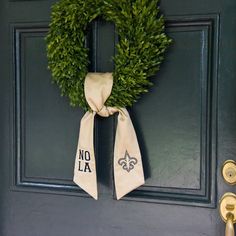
{"x":230,"y":172}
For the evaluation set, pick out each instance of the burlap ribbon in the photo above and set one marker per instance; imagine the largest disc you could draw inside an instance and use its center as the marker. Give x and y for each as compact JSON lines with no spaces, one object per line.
{"x":128,"y":168}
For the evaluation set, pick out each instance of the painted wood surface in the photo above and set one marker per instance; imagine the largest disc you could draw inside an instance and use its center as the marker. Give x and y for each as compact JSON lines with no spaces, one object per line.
{"x":186,"y":128}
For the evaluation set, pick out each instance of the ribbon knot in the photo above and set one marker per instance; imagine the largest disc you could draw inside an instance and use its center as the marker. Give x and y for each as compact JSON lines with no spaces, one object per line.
{"x":106,"y":111}
{"x":128,"y":169}
{"x":97,"y":89}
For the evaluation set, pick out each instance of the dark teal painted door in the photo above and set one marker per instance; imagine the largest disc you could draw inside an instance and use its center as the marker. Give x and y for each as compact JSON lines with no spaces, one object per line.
{"x":186,"y":128}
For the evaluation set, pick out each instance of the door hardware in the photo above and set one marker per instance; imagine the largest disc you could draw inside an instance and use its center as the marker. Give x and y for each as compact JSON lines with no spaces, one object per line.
{"x":229,"y":172}
{"x":228,"y":212}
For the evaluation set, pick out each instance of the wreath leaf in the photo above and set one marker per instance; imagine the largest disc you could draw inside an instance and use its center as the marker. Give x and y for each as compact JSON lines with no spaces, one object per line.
{"x":140,"y":50}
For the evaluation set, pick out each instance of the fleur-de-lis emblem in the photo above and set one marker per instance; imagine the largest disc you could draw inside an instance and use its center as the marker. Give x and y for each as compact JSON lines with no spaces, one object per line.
{"x":127,"y":162}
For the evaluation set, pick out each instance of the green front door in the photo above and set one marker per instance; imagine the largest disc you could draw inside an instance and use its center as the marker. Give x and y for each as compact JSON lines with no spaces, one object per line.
{"x":186,"y":128}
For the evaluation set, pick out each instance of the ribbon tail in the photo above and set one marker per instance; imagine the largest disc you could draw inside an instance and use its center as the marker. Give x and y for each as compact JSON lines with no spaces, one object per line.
{"x":128,"y":167}
{"x":85,"y":165}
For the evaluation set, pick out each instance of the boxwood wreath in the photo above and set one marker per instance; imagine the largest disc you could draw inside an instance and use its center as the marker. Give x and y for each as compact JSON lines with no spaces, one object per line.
{"x":140,"y":51}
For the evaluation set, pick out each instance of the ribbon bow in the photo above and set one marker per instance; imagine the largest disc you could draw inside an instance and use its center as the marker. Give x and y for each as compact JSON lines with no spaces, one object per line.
{"x":128,"y":168}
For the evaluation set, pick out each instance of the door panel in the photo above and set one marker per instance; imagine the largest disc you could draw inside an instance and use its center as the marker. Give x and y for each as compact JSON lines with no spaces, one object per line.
{"x":186,"y":128}
{"x":42,"y":133}
{"x":177,"y":120}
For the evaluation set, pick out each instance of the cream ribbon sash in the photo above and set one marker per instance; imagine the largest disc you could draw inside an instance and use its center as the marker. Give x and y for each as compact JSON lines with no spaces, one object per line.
{"x":128,"y":168}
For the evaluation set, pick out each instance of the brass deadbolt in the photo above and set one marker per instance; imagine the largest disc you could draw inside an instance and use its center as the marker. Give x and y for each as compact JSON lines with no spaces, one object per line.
{"x":229,"y":172}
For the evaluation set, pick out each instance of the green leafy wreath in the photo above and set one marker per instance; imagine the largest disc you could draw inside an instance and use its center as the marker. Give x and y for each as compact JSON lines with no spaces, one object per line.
{"x":142,"y":43}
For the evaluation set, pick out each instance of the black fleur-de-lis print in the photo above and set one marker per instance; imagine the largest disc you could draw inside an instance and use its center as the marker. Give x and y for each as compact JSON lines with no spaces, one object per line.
{"x":127,"y":162}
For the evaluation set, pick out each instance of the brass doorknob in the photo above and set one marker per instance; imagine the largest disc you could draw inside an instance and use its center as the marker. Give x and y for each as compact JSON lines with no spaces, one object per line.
{"x":228,"y":212}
